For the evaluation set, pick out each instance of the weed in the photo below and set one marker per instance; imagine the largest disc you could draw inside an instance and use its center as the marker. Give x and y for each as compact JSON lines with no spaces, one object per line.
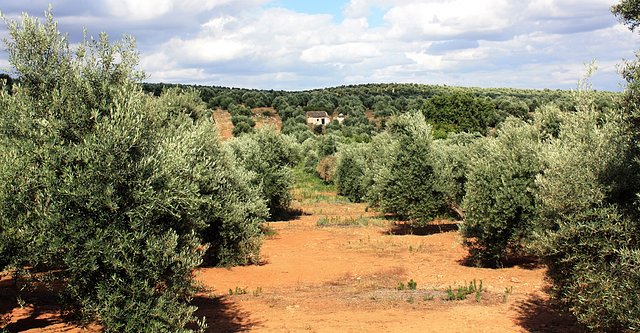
{"x":400,"y":286}
{"x":507,"y":293}
{"x":412,"y":285}
{"x":237,"y":291}
{"x":428,"y":297}
{"x":257,"y":292}
{"x":337,"y":221}
{"x":410,"y":300}
{"x":269,"y":231}
{"x":463,"y":291}
{"x":419,"y":248}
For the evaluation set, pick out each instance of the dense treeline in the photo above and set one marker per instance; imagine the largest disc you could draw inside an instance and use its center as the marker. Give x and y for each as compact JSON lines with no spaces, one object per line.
{"x":367,"y":107}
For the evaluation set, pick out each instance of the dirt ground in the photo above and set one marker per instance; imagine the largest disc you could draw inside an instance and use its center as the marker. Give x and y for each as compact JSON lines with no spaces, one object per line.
{"x":336,"y":267}
{"x":223,"y":122}
{"x":345,"y":279}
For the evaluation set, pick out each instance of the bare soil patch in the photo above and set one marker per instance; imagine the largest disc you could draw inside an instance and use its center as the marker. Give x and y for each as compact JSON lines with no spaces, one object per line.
{"x":267,"y":117}
{"x":223,"y":122}
{"x":345,"y":279}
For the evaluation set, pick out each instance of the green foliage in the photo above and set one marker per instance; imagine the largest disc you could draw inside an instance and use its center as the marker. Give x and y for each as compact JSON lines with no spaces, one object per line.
{"x":459,"y":112}
{"x":349,"y":175}
{"x":583,"y":167}
{"x":628,"y":12}
{"x":412,"y":285}
{"x":109,"y":192}
{"x":88,"y":202}
{"x":382,"y":152}
{"x":336,"y":221}
{"x":177,"y":103}
{"x":590,"y":243}
{"x":408,"y":189}
{"x":463,"y":291}
{"x":271,"y":157}
{"x":231,"y":204}
{"x":499,"y":201}
{"x":452,"y":157}
{"x":593,"y":262}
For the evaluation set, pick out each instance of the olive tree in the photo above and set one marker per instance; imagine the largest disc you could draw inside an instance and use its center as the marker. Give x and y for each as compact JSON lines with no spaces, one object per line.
{"x":499,"y":202}
{"x":107,"y":195}
{"x":271,"y":156}
{"x":408,"y":188}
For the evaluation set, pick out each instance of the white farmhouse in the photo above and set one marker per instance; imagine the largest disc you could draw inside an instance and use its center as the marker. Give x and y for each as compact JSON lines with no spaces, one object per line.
{"x":317,"y":118}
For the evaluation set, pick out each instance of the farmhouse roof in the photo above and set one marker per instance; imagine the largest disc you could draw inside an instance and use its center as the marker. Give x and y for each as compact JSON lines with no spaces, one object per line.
{"x":317,"y":114}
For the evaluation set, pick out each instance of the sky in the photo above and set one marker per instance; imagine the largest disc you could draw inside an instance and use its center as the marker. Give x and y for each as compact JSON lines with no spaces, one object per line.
{"x":304,"y":44}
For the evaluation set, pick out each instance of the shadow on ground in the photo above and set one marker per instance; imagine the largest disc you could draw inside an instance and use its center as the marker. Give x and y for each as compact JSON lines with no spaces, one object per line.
{"x":45,"y":313}
{"x":403,"y":228}
{"x":222,"y":315}
{"x":537,"y":314}
{"x":286,"y":214}
{"x":524,"y":262}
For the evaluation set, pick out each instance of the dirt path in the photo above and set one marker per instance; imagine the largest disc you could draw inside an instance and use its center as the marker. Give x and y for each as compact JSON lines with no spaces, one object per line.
{"x":345,"y":279}
{"x":320,"y":277}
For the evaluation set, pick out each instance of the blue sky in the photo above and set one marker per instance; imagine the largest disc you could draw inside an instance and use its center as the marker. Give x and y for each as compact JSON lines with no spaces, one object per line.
{"x":332,"y":7}
{"x":295,"y":45}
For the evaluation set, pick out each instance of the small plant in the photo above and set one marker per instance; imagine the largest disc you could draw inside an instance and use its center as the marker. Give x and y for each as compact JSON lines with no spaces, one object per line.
{"x":257,"y":292}
{"x":410,"y":300}
{"x":269,"y":231}
{"x":400,"y":286}
{"x":428,"y":297}
{"x":463,"y":291}
{"x":237,"y":291}
{"x":336,"y":221}
{"x":507,"y":293}
{"x":412,"y":285}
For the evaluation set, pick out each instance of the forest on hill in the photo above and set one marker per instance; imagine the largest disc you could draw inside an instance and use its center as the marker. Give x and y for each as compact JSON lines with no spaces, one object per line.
{"x":115,"y":191}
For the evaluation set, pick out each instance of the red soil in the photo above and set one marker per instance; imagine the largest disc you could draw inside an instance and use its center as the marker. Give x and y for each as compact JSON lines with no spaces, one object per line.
{"x":223,"y":122}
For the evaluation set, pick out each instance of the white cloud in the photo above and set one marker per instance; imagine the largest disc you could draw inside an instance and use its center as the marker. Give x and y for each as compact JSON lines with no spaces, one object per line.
{"x":139,"y":9}
{"x":205,"y":50}
{"x":339,"y":53}
{"x":447,"y":19}
{"x":528,"y":43}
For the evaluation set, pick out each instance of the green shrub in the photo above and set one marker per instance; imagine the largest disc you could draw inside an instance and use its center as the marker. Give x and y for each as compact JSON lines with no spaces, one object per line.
{"x":591,"y":243}
{"x":452,"y":157}
{"x":594,"y":264}
{"x":459,"y":112}
{"x":499,"y":201}
{"x":350,"y":169}
{"x":408,"y":190}
{"x":382,"y":153}
{"x":177,"y":102}
{"x":270,"y":156}
{"x":326,"y":168}
{"x":584,"y":165}
{"x":108,"y":192}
